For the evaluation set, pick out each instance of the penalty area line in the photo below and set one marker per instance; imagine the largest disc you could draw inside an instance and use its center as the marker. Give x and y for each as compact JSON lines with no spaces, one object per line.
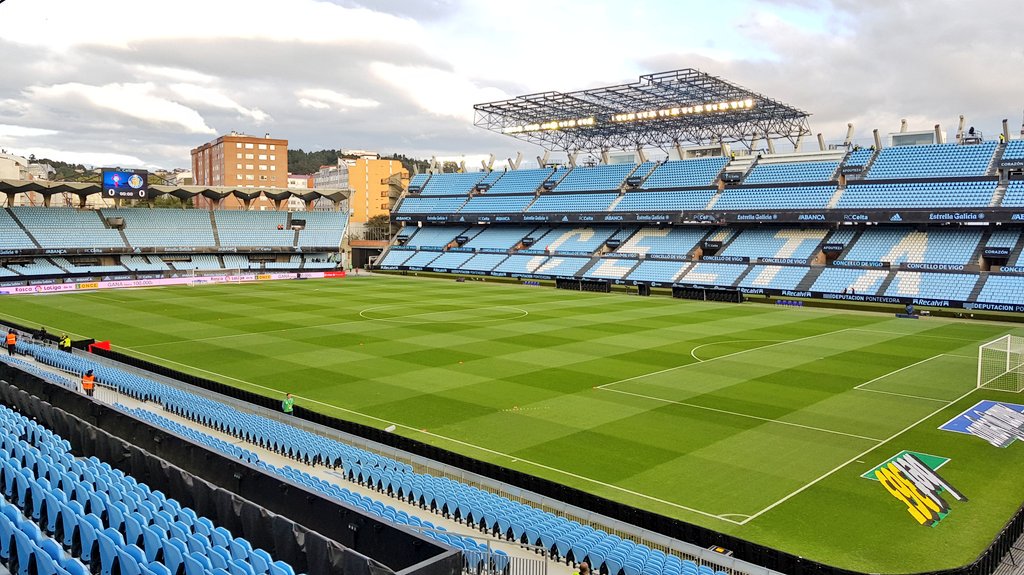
{"x":460,"y":442}
{"x":853,"y":459}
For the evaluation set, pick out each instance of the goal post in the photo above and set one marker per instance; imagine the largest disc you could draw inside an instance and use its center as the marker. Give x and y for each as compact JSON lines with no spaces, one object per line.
{"x":1001,"y":364}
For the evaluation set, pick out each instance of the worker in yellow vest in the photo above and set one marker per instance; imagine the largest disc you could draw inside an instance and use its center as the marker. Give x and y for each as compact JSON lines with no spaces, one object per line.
{"x":65,"y":343}
{"x":88,"y":383}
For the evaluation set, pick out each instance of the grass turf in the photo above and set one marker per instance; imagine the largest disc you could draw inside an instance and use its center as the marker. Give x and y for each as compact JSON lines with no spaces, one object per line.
{"x":742,"y":418}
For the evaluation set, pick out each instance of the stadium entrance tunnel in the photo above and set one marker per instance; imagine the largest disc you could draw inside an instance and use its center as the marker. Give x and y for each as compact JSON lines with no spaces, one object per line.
{"x":315,"y":535}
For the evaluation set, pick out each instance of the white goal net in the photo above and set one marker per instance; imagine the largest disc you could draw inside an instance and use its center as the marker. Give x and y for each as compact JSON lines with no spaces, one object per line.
{"x":1001,"y":364}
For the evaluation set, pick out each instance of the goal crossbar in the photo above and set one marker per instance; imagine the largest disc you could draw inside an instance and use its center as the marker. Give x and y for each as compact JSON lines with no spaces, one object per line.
{"x":1001,"y":364}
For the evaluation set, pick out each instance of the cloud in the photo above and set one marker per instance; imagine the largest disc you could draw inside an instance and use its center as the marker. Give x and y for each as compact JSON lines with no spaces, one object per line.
{"x":136,"y":100}
{"x":420,"y":85}
{"x":324,"y":99}
{"x":214,"y":98}
{"x":7,"y":130}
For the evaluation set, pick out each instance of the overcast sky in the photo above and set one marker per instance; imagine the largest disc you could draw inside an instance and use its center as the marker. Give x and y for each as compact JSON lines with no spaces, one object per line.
{"x":138,"y":83}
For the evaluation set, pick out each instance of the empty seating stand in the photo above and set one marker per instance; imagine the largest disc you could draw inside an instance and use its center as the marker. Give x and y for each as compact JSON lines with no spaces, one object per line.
{"x":63,"y":515}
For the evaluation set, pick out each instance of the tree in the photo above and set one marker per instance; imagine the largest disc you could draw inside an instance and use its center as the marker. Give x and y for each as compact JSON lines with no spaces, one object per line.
{"x":450,"y":167}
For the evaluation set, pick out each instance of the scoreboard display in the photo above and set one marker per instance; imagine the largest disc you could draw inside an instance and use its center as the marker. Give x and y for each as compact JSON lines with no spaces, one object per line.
{"x":127,"y":184}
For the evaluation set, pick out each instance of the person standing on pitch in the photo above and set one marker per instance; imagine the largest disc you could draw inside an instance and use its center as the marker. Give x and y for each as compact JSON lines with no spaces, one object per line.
{"x":12,"y":341}
{"x":288,"y":405}
{"x":88,"y":383}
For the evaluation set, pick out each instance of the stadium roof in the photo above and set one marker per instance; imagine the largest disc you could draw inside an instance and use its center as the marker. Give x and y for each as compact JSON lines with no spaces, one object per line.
{"x":660,"y":110}
{"x":83,"y":190}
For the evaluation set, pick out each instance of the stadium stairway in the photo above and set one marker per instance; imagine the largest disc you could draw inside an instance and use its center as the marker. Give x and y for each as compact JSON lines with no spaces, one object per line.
{"x":21,"y":225}
{"x":812,"y":276}
{"x":304,"y":473}
{"x":216,"y":236}
{"x":993,"y":166}
{"x":1000,"y":193}
{"x":980,"y":285}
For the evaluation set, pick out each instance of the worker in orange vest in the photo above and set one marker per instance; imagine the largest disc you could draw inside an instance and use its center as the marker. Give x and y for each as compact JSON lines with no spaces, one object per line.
{"x":88,"y":383}
{"x":12,"y":341}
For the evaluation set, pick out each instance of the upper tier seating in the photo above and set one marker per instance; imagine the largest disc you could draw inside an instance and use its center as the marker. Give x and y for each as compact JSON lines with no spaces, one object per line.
{"x":664,"y":201}
{"x":579,"y":239}
{"x":775,"y":243}
{"x":685,"y":173}
{"x":1014,"y":197}
{"x":791,"y":172}
{"x":595,"y":179}
{"x":918,"y":195}
{"x":420,"y":205}
{"x":572,"y":203}
{"x":859,"y":157}
{"x":435,"y":236}
{"x":774,"y":277}
{"x":165,"y":227}
{"x":664,"y":271}
{"x":323,"y":229}
{"x":840,"y":280}
{"x":933,"y":161}
{"x":520,"y":181}
{"x":498,"y":237}
{"x":707,"y":273}
{"x":11,"y":234}
{"x":452,"y":184}
{"x":67,"y":228}
{"x":666,"y":241}
{"x":1014,"y":150}
{"x":417,"y":181}
{"x":242,"y":228}
{"x":899,"y":245}
{"x":797,"y":197}
{"x":488,"y":204}
{"x":932,"y":285}
{"x":1003,"y":239}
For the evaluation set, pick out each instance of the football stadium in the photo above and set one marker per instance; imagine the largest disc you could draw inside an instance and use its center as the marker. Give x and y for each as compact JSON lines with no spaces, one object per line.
{"x":699,"y":354}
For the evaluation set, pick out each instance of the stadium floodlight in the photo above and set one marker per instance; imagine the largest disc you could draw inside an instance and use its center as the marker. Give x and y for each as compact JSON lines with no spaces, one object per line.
{"x":1001,"y":364}
{"x":660,"y":110}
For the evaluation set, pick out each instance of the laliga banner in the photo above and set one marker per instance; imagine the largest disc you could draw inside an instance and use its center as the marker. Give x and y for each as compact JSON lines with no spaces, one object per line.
{"x":911,"y":478}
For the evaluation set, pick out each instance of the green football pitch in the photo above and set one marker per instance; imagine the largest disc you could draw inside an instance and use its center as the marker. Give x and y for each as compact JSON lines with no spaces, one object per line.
{"x":753,"y":420}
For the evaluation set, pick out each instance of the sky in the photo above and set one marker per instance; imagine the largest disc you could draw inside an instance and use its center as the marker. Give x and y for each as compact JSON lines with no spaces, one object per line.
{"x":138,"y":83}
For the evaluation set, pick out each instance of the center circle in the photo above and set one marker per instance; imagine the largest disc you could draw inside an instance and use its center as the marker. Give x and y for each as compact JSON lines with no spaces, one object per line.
{"x":426,"y":313}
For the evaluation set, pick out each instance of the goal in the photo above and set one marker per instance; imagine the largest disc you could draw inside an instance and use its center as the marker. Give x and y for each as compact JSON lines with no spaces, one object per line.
{"x":215,"y":276}
{"x":1001,"y":364}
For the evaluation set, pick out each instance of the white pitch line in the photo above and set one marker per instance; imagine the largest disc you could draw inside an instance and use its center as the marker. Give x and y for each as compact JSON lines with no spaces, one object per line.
{"x":668,"y":369}
{"x":853,"y":459}
{"x":457,"y":441}
{"x":746,"y":415}
{"x":895,"y":371}
{"x":902,"y":395}
{"x":693,"y":352}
